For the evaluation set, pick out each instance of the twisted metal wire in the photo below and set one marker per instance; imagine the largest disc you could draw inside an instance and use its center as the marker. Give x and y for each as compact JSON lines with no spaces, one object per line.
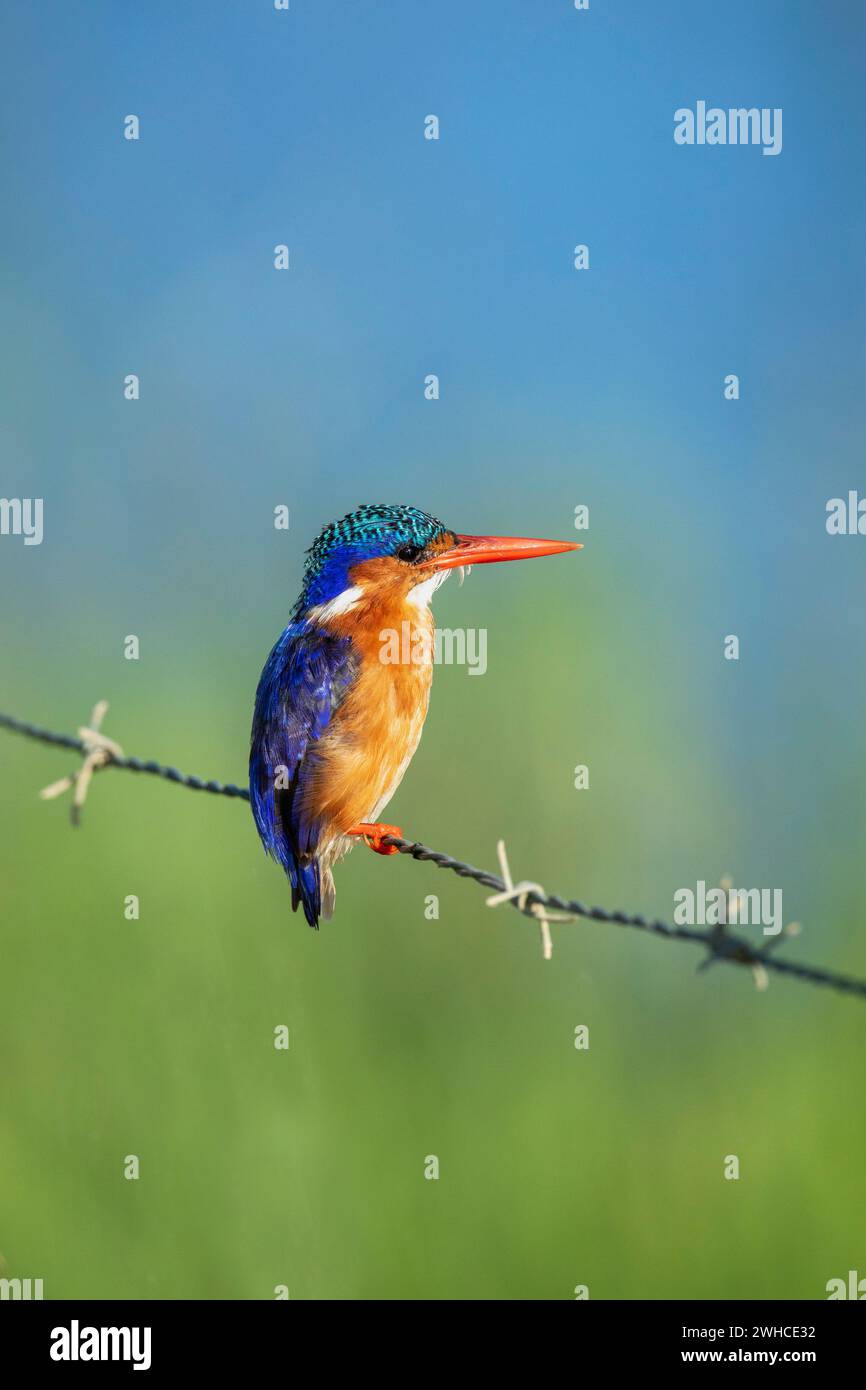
{"x":721,"y":944}
{"x":718,"y":941}
{"x":171,"y":774}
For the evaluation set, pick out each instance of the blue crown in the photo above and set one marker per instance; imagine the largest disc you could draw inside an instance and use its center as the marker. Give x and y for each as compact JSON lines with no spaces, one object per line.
{"x":371,"y":530}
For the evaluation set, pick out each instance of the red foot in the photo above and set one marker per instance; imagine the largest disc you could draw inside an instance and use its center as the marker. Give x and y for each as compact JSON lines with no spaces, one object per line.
{"x":373,"y":835}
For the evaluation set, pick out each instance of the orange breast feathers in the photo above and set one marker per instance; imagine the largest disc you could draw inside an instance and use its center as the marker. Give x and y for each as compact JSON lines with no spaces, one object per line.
{"x":375,"y":731}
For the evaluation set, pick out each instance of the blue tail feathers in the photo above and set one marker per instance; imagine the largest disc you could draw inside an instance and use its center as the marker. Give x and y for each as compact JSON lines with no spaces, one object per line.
{"x":307,"y":889}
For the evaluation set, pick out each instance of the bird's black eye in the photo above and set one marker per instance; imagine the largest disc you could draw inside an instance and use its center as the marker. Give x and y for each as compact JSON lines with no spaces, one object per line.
{"x":409,"y":553}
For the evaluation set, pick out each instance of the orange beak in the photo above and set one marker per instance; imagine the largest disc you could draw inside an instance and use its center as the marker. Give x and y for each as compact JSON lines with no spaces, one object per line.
{"x":487,"y":550}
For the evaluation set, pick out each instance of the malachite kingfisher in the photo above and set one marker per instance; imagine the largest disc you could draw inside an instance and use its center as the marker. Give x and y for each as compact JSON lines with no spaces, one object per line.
{"x":335,"y":725}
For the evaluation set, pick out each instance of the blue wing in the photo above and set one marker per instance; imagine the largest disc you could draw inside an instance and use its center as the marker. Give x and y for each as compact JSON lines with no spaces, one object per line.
{"x":303,"y":682}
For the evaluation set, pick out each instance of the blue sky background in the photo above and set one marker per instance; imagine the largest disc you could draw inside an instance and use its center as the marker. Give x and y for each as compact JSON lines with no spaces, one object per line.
{"x":454,"y":257}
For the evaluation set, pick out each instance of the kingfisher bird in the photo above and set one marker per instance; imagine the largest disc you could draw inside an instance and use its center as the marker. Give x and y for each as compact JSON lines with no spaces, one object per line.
{"x":336,"y":723}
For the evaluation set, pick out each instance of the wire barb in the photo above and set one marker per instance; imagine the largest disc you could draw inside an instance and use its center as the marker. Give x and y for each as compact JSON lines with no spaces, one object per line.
{"x":519,"y":893}
{"x":526,"y":897}
{"x":98,"y":751}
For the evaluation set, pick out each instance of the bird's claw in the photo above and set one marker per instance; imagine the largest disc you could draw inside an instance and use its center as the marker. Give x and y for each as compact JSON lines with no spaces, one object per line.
{"x":373,"y":834}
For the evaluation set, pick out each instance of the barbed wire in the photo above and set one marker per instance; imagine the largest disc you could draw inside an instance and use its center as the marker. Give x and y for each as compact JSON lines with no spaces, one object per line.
{"x":171,"y":774}
{"x":719,"y":942}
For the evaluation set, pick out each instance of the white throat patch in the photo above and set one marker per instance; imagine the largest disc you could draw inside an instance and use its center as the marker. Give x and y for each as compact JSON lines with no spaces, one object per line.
{"x":422,"y":593}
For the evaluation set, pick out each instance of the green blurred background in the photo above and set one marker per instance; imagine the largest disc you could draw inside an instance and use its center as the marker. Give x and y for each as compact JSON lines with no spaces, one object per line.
{"x":452,"y":1037}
